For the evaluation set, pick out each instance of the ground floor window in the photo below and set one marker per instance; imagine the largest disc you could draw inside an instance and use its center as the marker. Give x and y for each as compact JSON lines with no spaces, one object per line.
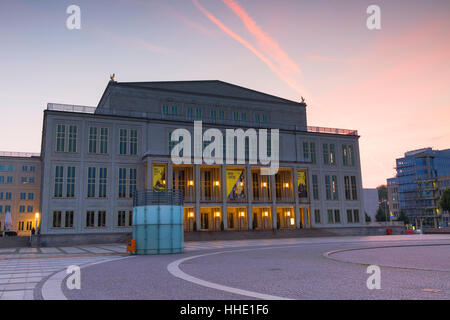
{"x":90,"y":216}
{"x":20,"y":226}
{"x":29,"y":225}
{"x":68,"y":221}
{"x":101,"y":219}
{"x":121,"y":219}
{"x":317,"y":216}
{"x":56,"y":219}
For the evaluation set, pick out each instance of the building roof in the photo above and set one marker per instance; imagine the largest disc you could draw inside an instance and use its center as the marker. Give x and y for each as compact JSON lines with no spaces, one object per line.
{"x":204,"y":87}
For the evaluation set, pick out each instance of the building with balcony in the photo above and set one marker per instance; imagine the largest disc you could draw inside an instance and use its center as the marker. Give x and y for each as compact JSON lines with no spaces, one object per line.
{"x":20,"y":177}
{"x":416,"y":184}
{"x":95,"y":158}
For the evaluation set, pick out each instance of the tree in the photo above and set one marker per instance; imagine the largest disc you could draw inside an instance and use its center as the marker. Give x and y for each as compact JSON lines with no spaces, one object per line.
{"x":403,"y":217}
{"x":381,"y":215}
{"x":382,"y":193}
{"x":445,"y":200}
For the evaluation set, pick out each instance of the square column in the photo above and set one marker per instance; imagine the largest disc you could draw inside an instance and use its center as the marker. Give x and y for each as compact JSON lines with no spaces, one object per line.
{"x":249,"y":196}
{"x":224,"y":196}
{"x":197,"y":195}
{"x":274,"y":202}
{"x":295,"y":188}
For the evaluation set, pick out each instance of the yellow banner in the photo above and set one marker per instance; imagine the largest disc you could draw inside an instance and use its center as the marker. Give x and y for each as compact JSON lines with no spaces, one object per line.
{"x":159,"y":177}
{"x":235,"y":184}
{"x":302,"y":186}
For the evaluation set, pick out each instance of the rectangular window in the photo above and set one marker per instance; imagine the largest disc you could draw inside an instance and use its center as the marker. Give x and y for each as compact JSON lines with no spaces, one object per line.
{"x":29,"y":225}
{"x":68,"y":221}
{"x":130,"y":218}
{"x":128,"y":139}
{"x":60,"y":137}
{"x":72,"y":139}
{"x":328,"y":187}
{"x":24,"y":168}
{"x":31,"y":180}
{"x":32,"y":169}
{"x":309,"y":151}
{"x":2,"y":179}
{"x":70,"y":184}
{"x":348,"y":155}
{"x":329,"y":154}
{"x":317,"y":216}
{"x":1,"y":209}
{"x":59,"y":181}
{"x":102,"y":184}
{"x":123,"y":138}
{"x":189,"y":113}
{"x":23,"y":196}
{"x":213,"y":114}
{"x":104,"y":132}
{"x":30,"y":209}
{"x":349,"y":216}
{"x":347,"y":188}
{"x":56,"y":219}
{"x":198,"y":114}
{"x":91,"y":182}
{"x":121,"y":219}
{"x":330,"y":216}
{"x":90,"y":216}
{"x":132,"y":183}
{"x":315,"y":182}
{"x":1,"y":195}
{"x":92,"y":140}
{"x":334,"y":188}
{"x":337,"y":216}
{"x":354,"y":188}
{"x":356,"y":216}
{"x":122,"y":182}
{"x":20,"y":226}
{"x":101,"y":219}
{"x":165,"y":111}
{"x":21,"y":209}
{"x":9,"y":180}
{"x":8,"y":196}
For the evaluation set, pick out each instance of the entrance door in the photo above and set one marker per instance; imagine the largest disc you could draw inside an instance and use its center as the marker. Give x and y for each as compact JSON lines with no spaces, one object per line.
{"x":204,"y":219}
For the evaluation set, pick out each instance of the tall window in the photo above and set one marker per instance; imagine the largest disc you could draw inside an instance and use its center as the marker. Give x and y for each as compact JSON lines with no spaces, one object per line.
{"x":128,"y":139}
{"x":121,"y":219}
{"x":351,"y":191}
{"x":329,"y":154}
{"x":309,"y":151}
{"x":315,"y":182}
{"x":102,"y":184}
{"x":349,"y":216}
{"x":66,"y":138}
{"x":348,"y":155}
{"x":101,"y":217}
{"x":90,"y":216}
{"x":56,"y":219}
{"x":59,"y":181}
{"x":68,"y":219}
{"x":91,"y":182}
{"x":317,"y":216}
{"x":331,"y":187}
{"x":98,"y":140}
{"x":127,"y":182}
{"x":70,"y":185}
{"x":60,"y":137}
{"x":97,"y":182}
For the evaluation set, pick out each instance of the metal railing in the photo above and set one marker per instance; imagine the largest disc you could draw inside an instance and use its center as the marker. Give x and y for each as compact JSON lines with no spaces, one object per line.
{"x":19,"y":154}
{"x":347,"y":132}
{"x":157,"y":197}
{"x":70,"y":108}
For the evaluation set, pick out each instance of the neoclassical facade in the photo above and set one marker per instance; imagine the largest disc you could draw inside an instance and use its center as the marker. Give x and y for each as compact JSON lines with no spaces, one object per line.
{"x":94,"y":158}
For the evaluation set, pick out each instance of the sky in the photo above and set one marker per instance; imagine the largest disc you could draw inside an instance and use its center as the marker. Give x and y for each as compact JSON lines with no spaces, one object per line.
{"x":391,"y":84}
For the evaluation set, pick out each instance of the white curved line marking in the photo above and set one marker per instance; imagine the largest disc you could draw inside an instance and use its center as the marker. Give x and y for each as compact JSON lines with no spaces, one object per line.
{"x":51,"y":290}
{"x":174,"y":269}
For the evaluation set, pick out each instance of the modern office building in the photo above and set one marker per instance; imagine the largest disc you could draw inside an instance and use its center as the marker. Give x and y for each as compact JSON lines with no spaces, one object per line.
{"x":20,"y":178}
{"x":418,"y":174}
{"x":94,"y":158}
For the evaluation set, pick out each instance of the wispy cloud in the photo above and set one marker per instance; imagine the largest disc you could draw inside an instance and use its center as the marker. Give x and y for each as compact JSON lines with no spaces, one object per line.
{"x":136,"y":43}
{"x":284,"y":67}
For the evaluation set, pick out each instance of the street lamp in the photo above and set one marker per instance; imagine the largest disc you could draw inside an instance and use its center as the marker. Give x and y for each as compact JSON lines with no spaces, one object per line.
{"x":36,"y":217}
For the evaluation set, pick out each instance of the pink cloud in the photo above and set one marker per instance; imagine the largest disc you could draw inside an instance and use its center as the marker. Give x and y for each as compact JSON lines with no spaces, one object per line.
{"x":290,"y":80}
